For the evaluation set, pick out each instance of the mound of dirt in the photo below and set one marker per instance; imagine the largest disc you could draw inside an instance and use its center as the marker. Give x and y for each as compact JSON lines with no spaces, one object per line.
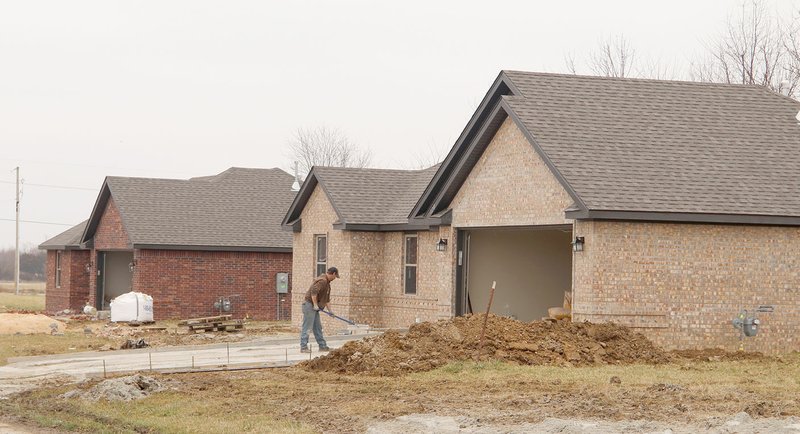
{"x":429,"y":345}
{"x":27,"y":323}
{"x":120,"y":389}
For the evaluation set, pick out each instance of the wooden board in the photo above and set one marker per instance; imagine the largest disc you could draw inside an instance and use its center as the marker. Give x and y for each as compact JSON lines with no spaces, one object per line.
{"x":207,"y":319}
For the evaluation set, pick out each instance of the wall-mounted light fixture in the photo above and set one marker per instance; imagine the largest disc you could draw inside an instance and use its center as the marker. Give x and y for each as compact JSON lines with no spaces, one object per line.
{"x":441,"y":245}
{"x":132,"y":265}
{"x":89,"y":266}
{"x":577,"y":245}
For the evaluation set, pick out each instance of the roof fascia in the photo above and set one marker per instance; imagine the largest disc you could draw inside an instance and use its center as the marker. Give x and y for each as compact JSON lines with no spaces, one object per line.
{"x":393,"y":227}
{"x":213,"y":248}
{"x":97,"y":212}
{"x":301,"y":200}
{"x":502,"y":86}
{"x":673,"y":217}
{"x":461,"y":164}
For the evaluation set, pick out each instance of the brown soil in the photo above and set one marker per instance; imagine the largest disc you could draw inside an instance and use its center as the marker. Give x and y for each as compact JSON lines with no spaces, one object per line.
{"x":716,"y":355}
{"x":429,"y":345}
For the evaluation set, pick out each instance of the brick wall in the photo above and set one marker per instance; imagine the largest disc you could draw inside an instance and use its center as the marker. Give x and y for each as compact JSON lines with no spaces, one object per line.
{"x":371,"y":265}
{"x":186,"y":283}
{"x":682,"y":284}
{"x":317,"y":219}
{"x":74,"y":289}
{"x":510,"y":185}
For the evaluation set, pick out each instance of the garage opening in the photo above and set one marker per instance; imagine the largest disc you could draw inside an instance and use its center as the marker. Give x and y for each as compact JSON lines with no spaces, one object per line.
{"x":532,"y":268}
{"x":115,"y":278}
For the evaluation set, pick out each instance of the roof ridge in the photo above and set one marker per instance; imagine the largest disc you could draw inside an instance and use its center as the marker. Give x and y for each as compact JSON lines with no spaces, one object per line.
{"x":637,"y":79}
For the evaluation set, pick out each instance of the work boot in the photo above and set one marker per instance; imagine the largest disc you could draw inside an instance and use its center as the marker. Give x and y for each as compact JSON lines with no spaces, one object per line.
{"x":305,"y":350}
{"x":324,"y":349}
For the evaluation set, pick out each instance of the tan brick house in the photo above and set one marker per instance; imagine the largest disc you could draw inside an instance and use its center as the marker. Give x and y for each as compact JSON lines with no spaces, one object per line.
{"x":666,"y":206}
{"x":187,"y":243}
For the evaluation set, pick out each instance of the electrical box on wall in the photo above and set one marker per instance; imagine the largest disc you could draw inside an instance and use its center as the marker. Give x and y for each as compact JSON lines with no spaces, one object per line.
{"x":282,"y":282}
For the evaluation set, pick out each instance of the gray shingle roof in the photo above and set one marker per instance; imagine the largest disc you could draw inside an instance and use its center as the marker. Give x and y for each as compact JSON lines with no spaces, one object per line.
{"x":239,"y":208}
{"x":71,"y":238}
{"x":665,"y":146}
{"x":373,"y":196}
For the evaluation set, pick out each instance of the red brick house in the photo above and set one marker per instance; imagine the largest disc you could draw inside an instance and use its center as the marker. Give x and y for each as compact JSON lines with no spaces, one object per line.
{"x":667,"y":206}
{"x":187,"y":243}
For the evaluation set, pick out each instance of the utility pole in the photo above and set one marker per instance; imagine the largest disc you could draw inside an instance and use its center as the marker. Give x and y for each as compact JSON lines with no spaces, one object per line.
{"x":16,"y":250}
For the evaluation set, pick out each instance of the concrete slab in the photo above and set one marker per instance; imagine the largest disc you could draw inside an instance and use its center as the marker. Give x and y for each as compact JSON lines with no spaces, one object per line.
{"x":24,"y":373}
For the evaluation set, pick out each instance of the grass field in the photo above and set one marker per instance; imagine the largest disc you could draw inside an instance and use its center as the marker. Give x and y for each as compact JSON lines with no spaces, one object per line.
{"x":11,"y":302}
{"x":25,"y":287}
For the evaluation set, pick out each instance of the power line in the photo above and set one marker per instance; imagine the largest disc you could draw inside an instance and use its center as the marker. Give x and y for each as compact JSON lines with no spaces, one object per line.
{"x":37,"y":222}
{"x":53,"y":186}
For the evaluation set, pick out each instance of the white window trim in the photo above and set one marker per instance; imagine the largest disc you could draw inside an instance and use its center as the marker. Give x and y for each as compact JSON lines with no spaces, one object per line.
{"x":58,"y":268}
{"x":316,"y":253}
{"x":415,"y":265}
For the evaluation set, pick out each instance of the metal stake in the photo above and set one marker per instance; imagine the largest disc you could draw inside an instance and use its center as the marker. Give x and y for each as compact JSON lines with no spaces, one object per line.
{"x":229,"y":353}
{"x":151,"y":361}
{"x":192,"y":362}
{"x":104,"y":368}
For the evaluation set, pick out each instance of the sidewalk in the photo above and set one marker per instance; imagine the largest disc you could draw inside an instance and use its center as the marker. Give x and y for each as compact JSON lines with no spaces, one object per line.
{"x":24,"y":373}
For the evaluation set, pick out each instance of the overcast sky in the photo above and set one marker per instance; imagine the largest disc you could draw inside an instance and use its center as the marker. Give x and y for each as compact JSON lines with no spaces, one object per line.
{"x":176,"y":89}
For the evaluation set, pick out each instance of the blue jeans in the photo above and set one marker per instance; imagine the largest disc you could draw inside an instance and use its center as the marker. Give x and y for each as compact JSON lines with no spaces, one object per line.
{"x":312,"y":322}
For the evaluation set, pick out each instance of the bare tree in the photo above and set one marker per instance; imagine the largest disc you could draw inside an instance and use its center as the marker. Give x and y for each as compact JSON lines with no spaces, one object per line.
{"x":614,"y":58}
{"x":755,"y":48}
{"x":323,"y":146}
{"x":430,"y":156}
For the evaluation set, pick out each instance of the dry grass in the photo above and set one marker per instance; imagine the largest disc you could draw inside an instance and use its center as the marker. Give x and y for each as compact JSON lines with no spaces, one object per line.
{"x":293,"y":400}
{"x":11,"y":302}
{"x":25,"y":287}
{"x":42,"y":344}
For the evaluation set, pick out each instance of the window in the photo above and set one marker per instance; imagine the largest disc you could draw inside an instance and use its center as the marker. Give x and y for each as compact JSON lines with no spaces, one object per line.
{"x":320,"y":255}
{"x":58,"y":269}
{"x":410,"y":265}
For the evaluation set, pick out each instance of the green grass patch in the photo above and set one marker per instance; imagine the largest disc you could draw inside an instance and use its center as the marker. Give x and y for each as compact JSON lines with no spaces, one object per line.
{"x":12,"y":302}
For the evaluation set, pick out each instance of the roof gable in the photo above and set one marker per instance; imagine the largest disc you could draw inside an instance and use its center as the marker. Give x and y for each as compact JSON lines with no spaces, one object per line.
{"x":644,"y":146}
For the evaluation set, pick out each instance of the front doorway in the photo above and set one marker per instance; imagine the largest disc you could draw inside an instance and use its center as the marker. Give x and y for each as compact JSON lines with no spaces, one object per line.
{"x":115,"y":276}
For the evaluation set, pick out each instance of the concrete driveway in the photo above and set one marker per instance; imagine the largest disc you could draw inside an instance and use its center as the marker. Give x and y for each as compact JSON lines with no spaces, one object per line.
{"x":24,"y":373}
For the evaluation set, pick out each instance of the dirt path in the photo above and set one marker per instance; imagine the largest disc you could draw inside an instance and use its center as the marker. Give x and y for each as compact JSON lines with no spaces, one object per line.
{"x":739,"y":423}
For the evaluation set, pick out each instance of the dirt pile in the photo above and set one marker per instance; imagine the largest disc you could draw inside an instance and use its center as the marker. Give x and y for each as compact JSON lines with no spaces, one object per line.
{"x":120,"y":389}
{"x":28,"y":323}
{"x":429,"y":345}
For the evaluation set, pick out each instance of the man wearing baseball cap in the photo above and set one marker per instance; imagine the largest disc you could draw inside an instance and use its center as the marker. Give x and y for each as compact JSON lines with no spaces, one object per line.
{"x":317,"y":297}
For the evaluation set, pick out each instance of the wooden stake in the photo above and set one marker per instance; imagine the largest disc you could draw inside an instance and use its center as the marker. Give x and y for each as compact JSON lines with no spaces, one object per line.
{"x":485,"y":318}
{"x":104,"y":368}
{"x":151,"y":361}
{"x":229,"y":353}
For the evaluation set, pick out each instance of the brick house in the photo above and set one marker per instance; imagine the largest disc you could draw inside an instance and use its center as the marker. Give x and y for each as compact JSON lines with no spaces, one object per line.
{"x":662,"y":205}
{"x":187,"y":243}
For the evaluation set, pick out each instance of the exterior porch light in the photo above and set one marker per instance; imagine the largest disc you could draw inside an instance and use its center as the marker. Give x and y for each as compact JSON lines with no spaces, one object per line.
{"x":89,"y":266}
{"x":441,"y":245}
{"x":577,"y":245}
{"x":132,"y":265}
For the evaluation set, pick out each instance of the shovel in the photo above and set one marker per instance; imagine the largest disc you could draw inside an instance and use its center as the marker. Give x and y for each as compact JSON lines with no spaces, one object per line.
{"x":338,"y":317}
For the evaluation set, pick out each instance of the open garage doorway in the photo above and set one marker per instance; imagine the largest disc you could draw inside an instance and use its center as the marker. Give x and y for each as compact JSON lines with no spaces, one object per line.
{"x":532,"y":267}
{"x":115,"y":276}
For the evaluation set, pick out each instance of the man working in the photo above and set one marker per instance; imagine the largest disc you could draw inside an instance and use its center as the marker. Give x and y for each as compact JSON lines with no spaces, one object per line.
{"x":317,"y":297}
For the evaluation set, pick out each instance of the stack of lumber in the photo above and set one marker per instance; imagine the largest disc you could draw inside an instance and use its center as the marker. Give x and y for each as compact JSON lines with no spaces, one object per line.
{"x":213,"y":323}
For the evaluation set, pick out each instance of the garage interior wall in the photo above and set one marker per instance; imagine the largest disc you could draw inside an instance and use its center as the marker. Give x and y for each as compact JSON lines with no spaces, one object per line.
{"x":117,"y":277}
{"x":532,"y":269}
